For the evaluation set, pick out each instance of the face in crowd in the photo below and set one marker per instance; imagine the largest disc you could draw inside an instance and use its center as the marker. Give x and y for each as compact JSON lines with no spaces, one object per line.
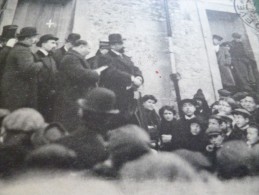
{"x":195,"y":128}
{"x":224,"y":107}
{"x":118,"y":47}
{"x":248,"y":103}
{"x":240,"y":120}
{"x":213,"y":123}
{"x":188,"y":109}
{"x":252,"y":135}
{"x":49,"y":45}
{"x":168,"y":115}
{"x":216,"y":140}
{"x":149,"y":104}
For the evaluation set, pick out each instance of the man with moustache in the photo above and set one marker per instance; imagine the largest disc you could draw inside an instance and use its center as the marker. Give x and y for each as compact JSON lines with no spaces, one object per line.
{"x":122,"y":76}
{"x":47,"y":76}
{"x":20,"y":80}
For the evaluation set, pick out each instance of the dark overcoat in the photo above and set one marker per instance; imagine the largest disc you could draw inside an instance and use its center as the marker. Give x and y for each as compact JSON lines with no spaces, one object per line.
{"x":3,"y":55}
{"x":58,"y":55}
{"x":118,"y":77}
{"x":75,"y":79}
{"x":46,"y":85}
{"x":20,"y":78}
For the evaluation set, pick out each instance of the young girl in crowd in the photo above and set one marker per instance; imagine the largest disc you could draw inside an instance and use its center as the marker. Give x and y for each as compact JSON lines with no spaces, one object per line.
{"x":168,"y":126}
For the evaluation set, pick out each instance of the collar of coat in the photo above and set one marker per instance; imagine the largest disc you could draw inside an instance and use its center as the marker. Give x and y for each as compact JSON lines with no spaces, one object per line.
{"x":22,"y":44}
{"x":75,"y":53}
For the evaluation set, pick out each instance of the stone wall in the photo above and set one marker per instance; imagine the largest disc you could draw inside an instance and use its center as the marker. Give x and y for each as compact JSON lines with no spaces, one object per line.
{"x":190,"y":49}
{"x":142,"y":23}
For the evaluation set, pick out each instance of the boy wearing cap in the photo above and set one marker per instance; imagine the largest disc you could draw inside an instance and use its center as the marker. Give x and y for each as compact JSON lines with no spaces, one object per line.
{"x":47,"y":76}
{"x":20,"y":82}
{"x":252,"y":135}
{"x":241,"y":119}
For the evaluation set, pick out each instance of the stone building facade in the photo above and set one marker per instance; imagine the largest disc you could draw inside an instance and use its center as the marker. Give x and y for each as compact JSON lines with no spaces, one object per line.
{"x":144,"y":24}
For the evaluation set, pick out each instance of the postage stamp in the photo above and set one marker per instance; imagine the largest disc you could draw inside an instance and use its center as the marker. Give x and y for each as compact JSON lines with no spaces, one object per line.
{"x":246,"y":9}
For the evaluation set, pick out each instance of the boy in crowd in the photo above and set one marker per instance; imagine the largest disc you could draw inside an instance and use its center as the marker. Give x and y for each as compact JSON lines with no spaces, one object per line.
{"x":252,"y":135}
{"x":214,"y":121}
{"x":241,"y":119}
{"x":226,"y":125}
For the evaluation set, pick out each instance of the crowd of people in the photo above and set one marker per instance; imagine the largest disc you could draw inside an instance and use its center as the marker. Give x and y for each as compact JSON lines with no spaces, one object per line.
{"x":60,"y":111}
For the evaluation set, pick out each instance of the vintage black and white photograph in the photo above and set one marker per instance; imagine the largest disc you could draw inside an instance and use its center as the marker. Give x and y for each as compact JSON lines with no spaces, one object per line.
{"x":129,"y":97}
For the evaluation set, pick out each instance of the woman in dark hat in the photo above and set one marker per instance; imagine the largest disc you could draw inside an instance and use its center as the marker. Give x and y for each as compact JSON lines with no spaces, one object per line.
{"x":202,"y":107}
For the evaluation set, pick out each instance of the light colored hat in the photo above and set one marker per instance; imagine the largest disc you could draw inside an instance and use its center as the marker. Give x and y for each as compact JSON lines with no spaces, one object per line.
{"x":24,"y":119}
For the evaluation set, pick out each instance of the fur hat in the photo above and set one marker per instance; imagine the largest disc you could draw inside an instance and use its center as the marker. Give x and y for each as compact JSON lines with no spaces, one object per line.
{"x":233,"y":159}
{"x":128,"y":143}
{"x":24,"y":119}
{"x":161,"y":166}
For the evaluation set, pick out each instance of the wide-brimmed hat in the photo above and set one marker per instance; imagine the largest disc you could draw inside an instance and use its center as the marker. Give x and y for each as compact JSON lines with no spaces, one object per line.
{"x":9,"y":31}
{"x":73,"y":37}
{"x":99,"y":100}
{"x":27,"y":32}
{"x":115,"y":38}
{"x":45,"y":38}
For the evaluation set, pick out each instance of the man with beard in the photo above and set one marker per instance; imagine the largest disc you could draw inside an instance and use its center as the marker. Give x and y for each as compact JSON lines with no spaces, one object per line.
{"x":47,"y":76}
{"x":122,"y":76}
{"x":20,"y":80}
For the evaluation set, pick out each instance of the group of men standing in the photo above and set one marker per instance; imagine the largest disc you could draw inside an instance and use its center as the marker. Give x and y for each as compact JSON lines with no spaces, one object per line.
{"x":52,"y":80}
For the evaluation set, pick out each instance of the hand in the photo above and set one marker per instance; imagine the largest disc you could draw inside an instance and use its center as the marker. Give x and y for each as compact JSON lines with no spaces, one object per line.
{"x":99,"y":70}
{"x":137,"y":81}
{"x":11,"y":42}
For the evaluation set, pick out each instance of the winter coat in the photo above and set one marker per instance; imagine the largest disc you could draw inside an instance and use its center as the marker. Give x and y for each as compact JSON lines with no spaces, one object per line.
{"x":88,"y":145}
{"x":58,"y":55}
{"x":20,"y":79}
{"x":3,"y":56}
{"x":75,"y":79}
{"x":224,"y":61}
{"x":47,"y":85}
{"x":117,"y":77}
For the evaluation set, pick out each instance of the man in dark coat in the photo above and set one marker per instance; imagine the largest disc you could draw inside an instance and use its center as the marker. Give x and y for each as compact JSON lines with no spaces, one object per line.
{"x":97,"y":111}
{"x":245,"y":70}
{"x":20,"y":82}
{"x":8,"y":38}
{"x":122,"y":76}
{"x":75,"y":80}
{"x":60,"y":52}
{"x":47,"y":76}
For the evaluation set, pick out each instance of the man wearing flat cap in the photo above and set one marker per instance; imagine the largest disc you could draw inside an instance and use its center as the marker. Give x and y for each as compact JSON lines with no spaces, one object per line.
{"x":122,"y":76}
{"x":20,"y":82}
{"x":47,"y":76}
{"x":244,"y":68}
{"x":60,"y":52}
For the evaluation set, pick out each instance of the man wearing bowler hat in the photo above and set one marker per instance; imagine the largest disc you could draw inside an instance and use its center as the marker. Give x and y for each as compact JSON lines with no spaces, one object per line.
{"x":20,"y":82}
{"x":8,"y":39}
{"x":47,"y":76}
{"x":60,"y":53}
{"x":122,"y":76}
